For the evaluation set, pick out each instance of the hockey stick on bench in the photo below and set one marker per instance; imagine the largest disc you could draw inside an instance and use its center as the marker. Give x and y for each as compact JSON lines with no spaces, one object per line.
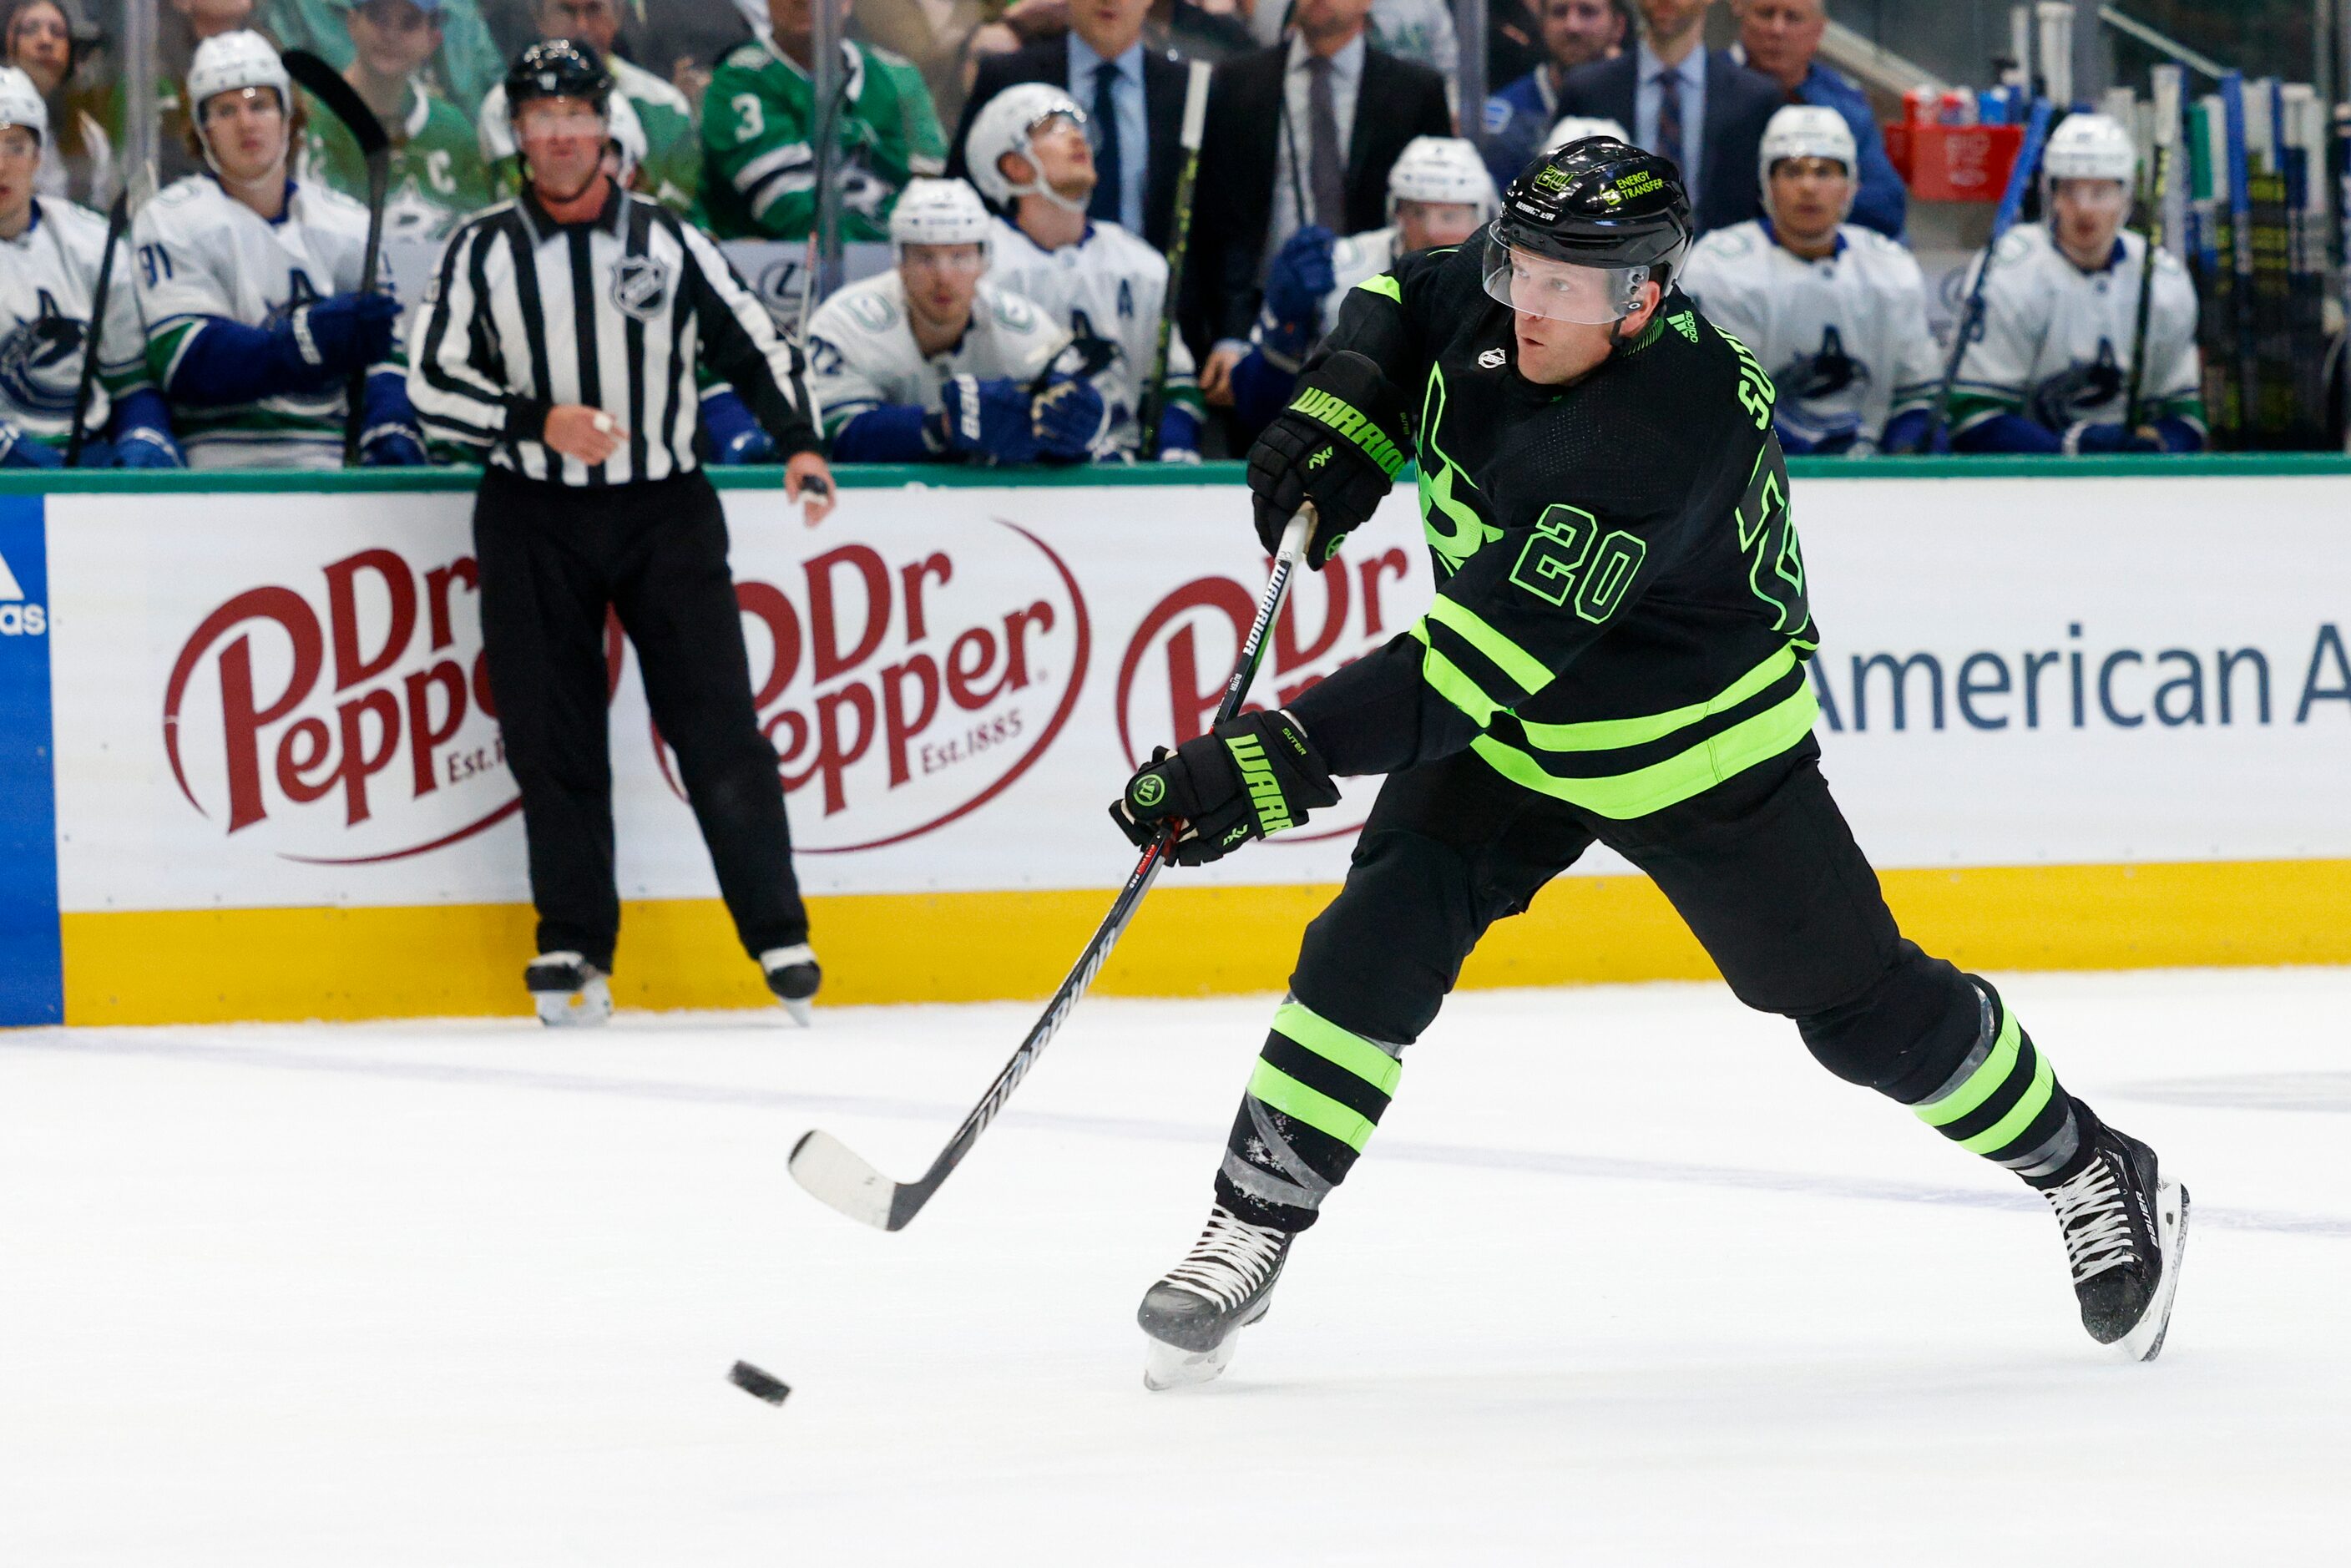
{"x":835,"y":1176}
{"x":323,"y":82}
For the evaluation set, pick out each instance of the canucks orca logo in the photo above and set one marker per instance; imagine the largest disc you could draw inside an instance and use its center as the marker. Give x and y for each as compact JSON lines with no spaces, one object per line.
{"x":2079,"y":391}
{"x":40,"y":364}
{"x":1820,"y":395}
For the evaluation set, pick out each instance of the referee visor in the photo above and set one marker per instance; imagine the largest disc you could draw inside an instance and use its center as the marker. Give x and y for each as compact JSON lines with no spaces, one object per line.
{"x":1534,"y":284}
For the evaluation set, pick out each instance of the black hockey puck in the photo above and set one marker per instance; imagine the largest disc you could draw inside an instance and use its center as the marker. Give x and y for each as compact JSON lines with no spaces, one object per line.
{"x":754,"y":1382}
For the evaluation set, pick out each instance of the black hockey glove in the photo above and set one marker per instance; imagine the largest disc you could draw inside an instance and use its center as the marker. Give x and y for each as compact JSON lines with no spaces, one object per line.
{"x":1337,"y":445}
{"x":1250,"y":776}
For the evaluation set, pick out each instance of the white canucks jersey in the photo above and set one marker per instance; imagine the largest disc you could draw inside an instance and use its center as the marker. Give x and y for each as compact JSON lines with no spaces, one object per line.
{"x":48,"y":277}
{"x":1353,"y":259}
{"x":203,"y":254}
{"x":863,"y":356}
{"x":2056,"y":344}
{"x":1843,"y":339}
{"x":1109,"y":287}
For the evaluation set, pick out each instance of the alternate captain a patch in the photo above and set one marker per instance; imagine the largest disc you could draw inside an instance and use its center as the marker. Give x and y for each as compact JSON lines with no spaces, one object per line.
{"x":640,"y":287}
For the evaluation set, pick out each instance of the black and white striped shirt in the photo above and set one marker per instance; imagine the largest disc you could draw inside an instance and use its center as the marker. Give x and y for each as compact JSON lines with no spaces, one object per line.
{"x":526,"y":313}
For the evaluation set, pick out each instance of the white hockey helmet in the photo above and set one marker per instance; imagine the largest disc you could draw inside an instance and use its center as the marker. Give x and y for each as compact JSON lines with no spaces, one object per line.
{"x":229,"y":61}
{"x":2090,"y":147}
{"x":1576,"y":127}
{"x":1442,"y":168}
{"x":20,"y":103}
{"x":939,"y":212}
{"x":1005,"y":126}
{"x":1809,"y":130}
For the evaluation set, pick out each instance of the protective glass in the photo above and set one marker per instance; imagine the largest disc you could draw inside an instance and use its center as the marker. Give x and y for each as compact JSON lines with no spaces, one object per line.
{"x":1560,"y":290}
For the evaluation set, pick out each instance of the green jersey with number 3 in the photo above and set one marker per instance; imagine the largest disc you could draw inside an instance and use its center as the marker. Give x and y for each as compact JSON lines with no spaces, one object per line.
{"x":758,"y":119}
{"x":1621,"y":619}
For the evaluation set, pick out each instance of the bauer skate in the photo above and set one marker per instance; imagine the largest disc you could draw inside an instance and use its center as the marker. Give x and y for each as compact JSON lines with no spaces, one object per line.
{"x":2125,"y":1229}
{"x":569,"y":991}
{"x":793,"y":975}
{"x":1197,"y":1310}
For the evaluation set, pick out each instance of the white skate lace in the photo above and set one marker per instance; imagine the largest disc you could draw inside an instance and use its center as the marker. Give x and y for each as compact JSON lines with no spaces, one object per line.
{"x":1231,"y":1259}
{"x":2096,"y":1220}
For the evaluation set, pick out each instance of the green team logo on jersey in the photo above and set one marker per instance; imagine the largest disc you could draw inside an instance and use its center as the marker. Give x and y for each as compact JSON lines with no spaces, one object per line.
{"x":1464,"y":530}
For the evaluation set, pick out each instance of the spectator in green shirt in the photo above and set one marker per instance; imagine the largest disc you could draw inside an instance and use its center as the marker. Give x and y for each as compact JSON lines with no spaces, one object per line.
{"x":464,"y":68}
{"x":437,"y":175}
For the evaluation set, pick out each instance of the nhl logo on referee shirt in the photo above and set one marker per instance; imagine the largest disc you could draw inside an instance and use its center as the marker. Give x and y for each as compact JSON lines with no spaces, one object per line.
{"x":640,"y":286}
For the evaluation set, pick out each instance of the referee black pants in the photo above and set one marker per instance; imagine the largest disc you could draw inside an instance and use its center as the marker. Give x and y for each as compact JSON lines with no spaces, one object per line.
{"x":1765,"y":872}
{"x":553,"y":559}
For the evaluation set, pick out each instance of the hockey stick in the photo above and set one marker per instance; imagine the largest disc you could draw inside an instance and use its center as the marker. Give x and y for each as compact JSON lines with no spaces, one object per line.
{"x":2238,"y":170}
{"x":118,"y":218}
{"x":1195,"y":119}
{"x":838,"y":1178}
{"x":342,"y":99}
{"x":827,"y":132}
{"x":1972,"y":315}
{"x":2166,"y":127}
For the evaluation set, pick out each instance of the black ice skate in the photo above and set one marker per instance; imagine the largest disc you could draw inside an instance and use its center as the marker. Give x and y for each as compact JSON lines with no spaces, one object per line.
{"x":2125,"y":1230}
{"x":1197,"y":1310}
{"x":793,"y":975}
{"x":569,"y":991}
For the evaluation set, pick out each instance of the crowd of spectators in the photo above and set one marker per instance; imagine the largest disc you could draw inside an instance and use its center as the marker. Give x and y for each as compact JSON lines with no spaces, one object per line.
{"x":1313,"y":107}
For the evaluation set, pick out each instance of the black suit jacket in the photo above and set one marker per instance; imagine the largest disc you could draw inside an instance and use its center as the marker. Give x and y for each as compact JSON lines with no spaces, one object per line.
{"x":1165,"y":76}
{"x":1739,"y":104}
{"x":1396,"y":102}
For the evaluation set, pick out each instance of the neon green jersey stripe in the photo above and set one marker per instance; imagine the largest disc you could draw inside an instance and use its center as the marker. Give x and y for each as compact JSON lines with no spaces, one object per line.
{"x":1661,"y":784}
{"x":1609,"y":733}
{"x":1532,"y":674}
{"x":1299,"y":1022}
{"x":1384,"y":285}
{"x":2004,"y":1131}
{"x":1311,"y":1106}
{"x":1447,"y":680}
{"x":1982,"y":1083}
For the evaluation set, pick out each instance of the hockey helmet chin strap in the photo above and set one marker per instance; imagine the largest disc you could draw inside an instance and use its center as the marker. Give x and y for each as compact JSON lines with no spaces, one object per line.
{"x":1038,"y":184}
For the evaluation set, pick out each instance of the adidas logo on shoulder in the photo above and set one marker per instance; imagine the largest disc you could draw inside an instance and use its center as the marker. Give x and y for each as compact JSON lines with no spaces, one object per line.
{"x":1684,"y":322}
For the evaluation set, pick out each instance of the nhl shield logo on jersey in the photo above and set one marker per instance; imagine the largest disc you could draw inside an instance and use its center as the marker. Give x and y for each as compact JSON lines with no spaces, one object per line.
{"x":640,"y":287}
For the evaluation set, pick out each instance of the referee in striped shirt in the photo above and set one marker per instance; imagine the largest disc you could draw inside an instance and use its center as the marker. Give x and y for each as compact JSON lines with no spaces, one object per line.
{"x":562,"y":339}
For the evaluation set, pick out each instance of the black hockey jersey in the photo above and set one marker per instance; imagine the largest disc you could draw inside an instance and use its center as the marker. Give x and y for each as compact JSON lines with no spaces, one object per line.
{"x":1621,"y":619}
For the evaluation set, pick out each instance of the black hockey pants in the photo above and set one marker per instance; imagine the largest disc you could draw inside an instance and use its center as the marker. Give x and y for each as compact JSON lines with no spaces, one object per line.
{"x":553,"y":557}
{"x":1765,"y":872}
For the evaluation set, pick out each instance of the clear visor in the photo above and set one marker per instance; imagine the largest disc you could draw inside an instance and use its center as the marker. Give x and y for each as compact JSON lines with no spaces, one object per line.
{"x":2091,"y":195}
{"x":545,"y":126}
{"x":1560,"y":290}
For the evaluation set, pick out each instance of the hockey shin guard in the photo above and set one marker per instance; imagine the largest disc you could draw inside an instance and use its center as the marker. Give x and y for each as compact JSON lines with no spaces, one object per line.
{"x":1316,"y":1094}
{"x":2003,"y":1101}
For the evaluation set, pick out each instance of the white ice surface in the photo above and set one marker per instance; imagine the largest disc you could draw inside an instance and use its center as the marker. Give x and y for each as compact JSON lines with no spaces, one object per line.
{"x":1624,"y":1280}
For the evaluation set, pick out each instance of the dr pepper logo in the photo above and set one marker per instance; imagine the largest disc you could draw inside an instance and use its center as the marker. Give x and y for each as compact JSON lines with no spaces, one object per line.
{"x":904,"y":684}
{"x":349,"y":720}
{"x":1173,"y":673}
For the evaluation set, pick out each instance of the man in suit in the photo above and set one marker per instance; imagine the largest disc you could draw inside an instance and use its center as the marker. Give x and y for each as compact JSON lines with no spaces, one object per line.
{"x":1303,"y":132}
{"x":1134,"y":100}
{"x":1780,"y":39}
{"x":1694,"y":105}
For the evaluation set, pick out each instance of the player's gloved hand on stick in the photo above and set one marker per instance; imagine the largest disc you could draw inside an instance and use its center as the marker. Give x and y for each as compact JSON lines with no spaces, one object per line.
{"x":1337,"y":445}
{"x":1068,"y":417}
{"x":988,"y":419}
{"x":141,"y":447}
{"x":391,"y":446}
{"x":1300,"y":277}
{"x":735,"y":435}
{"x":2105,"y":438}
{"x":1250,"y":776}
{"x":344,"y":332}
{"x":18,"y":450}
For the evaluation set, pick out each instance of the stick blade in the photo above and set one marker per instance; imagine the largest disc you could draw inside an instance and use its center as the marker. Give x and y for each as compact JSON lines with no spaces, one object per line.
{"x":326,"y":84}
{"x":840,"y":1179}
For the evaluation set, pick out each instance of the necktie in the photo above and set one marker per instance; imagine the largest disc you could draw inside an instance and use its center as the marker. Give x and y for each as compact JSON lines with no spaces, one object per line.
{"x":1325,"y":164}
{"x":1670,"y":116}
{"x":1108,"y":200}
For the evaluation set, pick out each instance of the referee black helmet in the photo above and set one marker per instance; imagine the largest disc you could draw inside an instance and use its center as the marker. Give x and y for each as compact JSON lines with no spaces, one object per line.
{"x":558,"y":68}
{"x":1600,"y":203}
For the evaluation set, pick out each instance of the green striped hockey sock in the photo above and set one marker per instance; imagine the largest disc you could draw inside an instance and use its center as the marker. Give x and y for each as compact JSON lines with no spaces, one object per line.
{"x":2003,"y":1102}
{"x":1316,"y":1094}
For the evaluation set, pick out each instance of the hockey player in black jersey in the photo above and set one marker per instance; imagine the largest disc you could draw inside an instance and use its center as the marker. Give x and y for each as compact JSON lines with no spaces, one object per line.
{"x":1615,"y":655}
